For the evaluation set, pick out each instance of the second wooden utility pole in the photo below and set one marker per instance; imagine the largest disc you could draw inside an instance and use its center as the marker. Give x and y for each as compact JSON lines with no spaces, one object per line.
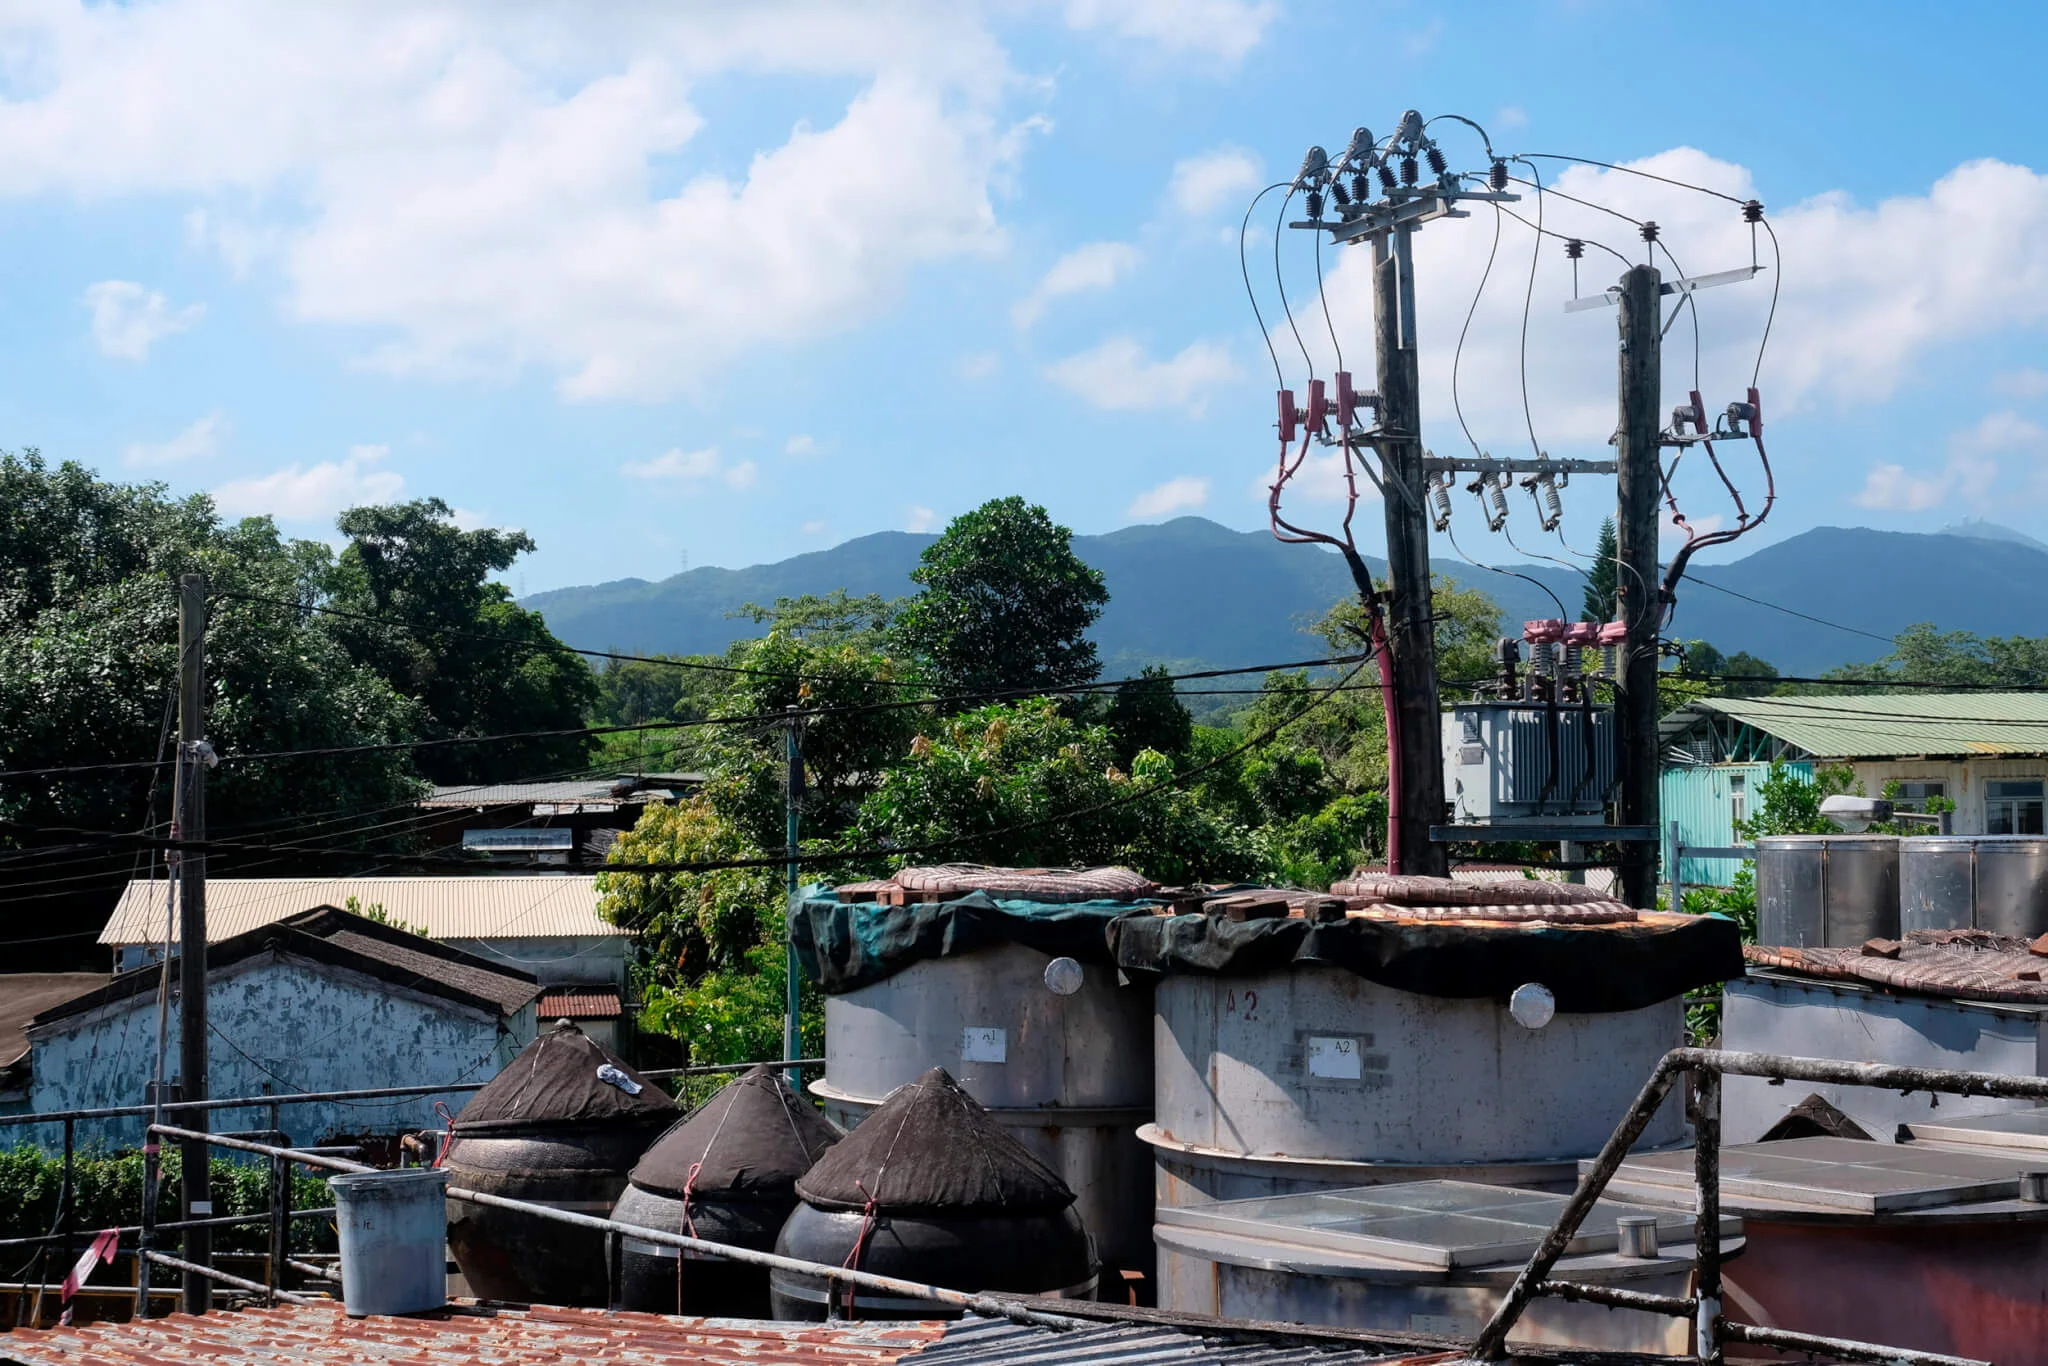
{"x":1639,"y":472}
{"x":195,"y":1160}
{"x":1411,"y":624}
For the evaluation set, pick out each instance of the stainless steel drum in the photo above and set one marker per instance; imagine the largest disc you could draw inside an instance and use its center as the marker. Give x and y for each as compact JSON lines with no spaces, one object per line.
{"x":1985,"y":882}
{"x":1826,"y":891}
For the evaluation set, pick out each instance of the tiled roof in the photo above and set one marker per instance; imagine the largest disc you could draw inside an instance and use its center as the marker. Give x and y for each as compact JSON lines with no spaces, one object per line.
{"x":471,"y":1335}
{"x":25,"y":995}
{"x":346,"y":941}
{"x":580,"y":1005}
{"x":320,"y":1335}
{"x":482,"y":906}
{"x":1886,"y":725}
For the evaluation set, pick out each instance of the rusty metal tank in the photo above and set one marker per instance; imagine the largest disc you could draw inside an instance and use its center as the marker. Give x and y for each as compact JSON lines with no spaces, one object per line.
{"x":562,"y":1125}
{"x":727,"y":1173}
{"x":930,"y":1188}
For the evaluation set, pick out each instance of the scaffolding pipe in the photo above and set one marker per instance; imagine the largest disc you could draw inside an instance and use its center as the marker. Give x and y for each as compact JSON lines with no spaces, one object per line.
{"x":213,"y":1274}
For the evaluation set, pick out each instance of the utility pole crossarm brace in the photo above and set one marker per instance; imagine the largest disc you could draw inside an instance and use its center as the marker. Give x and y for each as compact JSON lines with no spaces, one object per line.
{"x":1609,"y":297}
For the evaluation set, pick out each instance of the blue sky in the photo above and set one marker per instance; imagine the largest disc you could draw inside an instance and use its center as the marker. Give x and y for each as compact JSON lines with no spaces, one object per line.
{"x":734,"y":282}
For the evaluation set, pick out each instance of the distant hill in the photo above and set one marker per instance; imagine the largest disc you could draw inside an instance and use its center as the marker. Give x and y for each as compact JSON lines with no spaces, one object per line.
{"x":1192,"y":593}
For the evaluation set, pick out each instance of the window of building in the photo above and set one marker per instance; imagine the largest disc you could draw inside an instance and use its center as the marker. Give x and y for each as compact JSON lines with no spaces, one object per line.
{"x":1738,"y":802}
{"x":2013,"y":807}
{"x":1913,"y":793}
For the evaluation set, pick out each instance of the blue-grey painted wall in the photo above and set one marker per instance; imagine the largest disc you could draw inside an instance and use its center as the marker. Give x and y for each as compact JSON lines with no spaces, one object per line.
{"x":279,"y":1024}
{"x":1701,"y":799}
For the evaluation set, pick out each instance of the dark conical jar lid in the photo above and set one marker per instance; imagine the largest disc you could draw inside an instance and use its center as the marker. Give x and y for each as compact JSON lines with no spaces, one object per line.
{"x":931,"y":1147}
{"x":565,"y":1077}
{"x":753,"y":1139}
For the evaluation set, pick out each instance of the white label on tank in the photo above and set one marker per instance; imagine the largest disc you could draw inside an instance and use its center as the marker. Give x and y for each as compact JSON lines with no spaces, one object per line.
{"x":1335,"y":1057}
{"x":984,"y":1043}
{"x":202,"y":1207}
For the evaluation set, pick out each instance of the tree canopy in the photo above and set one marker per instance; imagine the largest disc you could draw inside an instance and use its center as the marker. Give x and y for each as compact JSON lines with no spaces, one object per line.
{"x":1602,"y":594}
{"x":1006,"y":603}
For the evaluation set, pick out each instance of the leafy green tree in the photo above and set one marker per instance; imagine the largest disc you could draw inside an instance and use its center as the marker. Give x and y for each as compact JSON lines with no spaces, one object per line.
{"x":1146,"y":714}
{"x":984,"y":782}
{"x":1703,"y":659}
{"x":1006,"y":603}
{"x":1602,"y":580}
{"x":476,"y":662}
{"x":1788,"y":802}
{"x":1922,"y":655}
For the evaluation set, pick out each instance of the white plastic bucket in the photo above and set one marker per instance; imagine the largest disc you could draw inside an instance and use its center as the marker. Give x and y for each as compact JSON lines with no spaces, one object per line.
{"x":394,"y":1240}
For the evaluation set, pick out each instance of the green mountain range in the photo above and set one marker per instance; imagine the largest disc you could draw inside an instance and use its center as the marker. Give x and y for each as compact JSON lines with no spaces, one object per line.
{"x":1193,"y":594}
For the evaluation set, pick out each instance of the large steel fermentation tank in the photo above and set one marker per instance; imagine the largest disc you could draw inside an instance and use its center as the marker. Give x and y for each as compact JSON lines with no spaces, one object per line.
{"x":1068,"y":1075}
{"x":1985,"y":882}
{"x":1826,"y":891}
{"x":1317,"y":1078}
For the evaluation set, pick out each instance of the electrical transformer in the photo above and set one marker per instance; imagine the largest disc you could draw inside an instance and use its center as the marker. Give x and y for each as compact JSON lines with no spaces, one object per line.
{"x":1542,"y":748}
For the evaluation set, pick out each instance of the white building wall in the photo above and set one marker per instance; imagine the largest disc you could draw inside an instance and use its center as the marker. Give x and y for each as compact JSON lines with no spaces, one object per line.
{"x":279,"y":1024}
{"x":1964,"y":779}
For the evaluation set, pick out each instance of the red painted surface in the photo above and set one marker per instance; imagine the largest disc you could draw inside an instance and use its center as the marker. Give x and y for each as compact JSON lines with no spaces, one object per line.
{"x":1975,"y":1290}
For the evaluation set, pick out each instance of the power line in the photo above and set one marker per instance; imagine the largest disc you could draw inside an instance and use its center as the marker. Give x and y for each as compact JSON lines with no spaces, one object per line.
{"x":1791,"y":612}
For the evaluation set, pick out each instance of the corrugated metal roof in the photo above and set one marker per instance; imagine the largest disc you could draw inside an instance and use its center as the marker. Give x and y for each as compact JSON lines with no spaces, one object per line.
{"x":321,"y":1333}
{"x":998,"y":1342}
{"x":631,"y":791}
{"x":1888,"y":725}
{"x":581,"y":1005}
{"x":505,"y":906}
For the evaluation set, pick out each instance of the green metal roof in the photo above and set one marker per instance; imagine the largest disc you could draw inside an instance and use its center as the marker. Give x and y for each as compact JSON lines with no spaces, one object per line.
{"x":1886,"y":725}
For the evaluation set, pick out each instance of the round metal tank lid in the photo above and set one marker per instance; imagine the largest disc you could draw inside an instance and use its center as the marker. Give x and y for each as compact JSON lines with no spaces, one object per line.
{"x":1926,"y":842}
{"x":1832,"y":841}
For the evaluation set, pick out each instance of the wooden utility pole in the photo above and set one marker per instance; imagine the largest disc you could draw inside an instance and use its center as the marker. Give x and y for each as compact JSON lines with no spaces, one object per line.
{"x":1640,"y":475}
{"x":1411,"y":626}
{"x":196,"y":1159}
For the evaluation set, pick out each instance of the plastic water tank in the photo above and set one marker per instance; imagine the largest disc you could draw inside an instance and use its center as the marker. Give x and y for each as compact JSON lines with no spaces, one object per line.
{"x":393,"y":1233}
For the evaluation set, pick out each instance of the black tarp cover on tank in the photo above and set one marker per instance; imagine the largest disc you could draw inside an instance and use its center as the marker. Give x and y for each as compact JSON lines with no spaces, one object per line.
{"x":1590,"y":969}
{"x":752,"y":1140}
{"x":555,"y":1080}
{"x":931,"y":1148}
{"x":847,"y":945}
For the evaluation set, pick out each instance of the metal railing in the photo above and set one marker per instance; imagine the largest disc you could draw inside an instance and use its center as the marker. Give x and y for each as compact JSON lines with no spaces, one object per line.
{"x":1710,"y":1330}
{"x":999,"y":1306}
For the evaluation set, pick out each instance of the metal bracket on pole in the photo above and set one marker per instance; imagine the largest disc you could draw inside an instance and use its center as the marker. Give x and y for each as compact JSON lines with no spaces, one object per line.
{"x":1609,"y":297}
{"x":1435,"y":464}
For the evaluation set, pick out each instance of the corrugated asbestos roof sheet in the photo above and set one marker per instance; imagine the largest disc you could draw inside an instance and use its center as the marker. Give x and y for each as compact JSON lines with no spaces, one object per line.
{"x":1890,"y":725}
{"x":599,"y":791}
{"x":320,"y":1333}
{"x":506,"y":906}
{"x":314,"y":1335}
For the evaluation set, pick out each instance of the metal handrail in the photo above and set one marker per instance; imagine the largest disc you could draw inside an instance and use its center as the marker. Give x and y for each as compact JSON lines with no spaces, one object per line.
{"x":370,"y":1093}
{"x":1710,"y":1329}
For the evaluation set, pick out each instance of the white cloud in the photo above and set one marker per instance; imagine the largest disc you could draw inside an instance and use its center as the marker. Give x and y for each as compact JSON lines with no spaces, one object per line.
{"x":128,"y":319}
{"x":196,"y":442}
{"x":399,"y":165}
{"x":692,"y":468}
{"x":980,"y":365}
{"x":469,"y":519}
{"x":814,"y":528}
{"x":1183,"y":494}
{"x":1510,"y":116}
{"x":314,"y":492}
{"x":921,"y":519}
{"x":1119,"y":375}
{"x":2026,"y":383}
{"x":1205,"y":183}
{"x":1970,"y":474}
{"x":1095,"y":266}
{"x":1226,"y":29}
{"x":800,"y":444}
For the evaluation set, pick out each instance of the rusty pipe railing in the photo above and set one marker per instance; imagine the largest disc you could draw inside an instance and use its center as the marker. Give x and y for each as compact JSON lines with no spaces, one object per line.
{"x":1710,"y":1329}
